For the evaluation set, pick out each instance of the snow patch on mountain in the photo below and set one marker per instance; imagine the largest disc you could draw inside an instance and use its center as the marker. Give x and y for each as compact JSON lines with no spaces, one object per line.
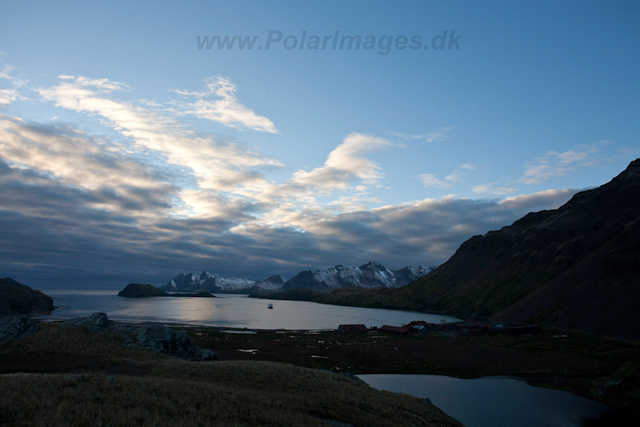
{"x":369,"y":275}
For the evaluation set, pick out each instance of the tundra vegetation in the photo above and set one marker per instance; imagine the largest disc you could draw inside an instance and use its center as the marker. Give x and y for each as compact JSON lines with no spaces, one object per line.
{"x":73,"y":376}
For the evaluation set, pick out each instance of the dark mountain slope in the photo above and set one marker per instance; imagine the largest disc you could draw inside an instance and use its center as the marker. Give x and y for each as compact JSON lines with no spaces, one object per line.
{"x":577,"y":266}
{"x":16,"y":298}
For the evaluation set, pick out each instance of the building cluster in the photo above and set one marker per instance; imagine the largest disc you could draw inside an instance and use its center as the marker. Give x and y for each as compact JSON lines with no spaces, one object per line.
{"x":470,"y":327}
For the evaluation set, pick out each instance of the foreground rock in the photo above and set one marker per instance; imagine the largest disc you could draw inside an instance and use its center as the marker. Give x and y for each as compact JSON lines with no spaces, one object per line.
{"x":157,"y":338}
{"x":16,"y":298}
{"x":95,"y":322}
{"x":16,"y":327}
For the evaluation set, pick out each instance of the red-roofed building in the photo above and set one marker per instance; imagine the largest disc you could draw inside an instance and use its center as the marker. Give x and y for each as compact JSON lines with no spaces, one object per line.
{"x":400,"y":330}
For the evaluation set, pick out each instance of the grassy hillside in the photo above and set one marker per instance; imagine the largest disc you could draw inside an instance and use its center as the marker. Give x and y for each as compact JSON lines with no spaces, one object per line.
{"x":70,"y":376}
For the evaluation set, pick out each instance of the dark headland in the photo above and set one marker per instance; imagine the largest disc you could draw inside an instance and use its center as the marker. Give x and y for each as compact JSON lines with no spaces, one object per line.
{"x":16,"y":298}
{"x":142,"y":290}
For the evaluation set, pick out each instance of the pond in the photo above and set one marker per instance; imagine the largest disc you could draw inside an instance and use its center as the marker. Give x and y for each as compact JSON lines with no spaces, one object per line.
{"x":495,"y":401}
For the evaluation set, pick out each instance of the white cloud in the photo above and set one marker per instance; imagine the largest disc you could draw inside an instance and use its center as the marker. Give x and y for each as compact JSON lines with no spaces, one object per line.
{"x":493,"y":190}
{"x":7,"y":96}
{"x":6,"y":72}
{"x":435,"y":136}
{"x":554,"y":164}
{"x":431,"y":180}
{"x":345,"y":164}
{"x":226,"y":110}
{"x":439,"y":135}
{"x":74,"y":159}
{"x":215,"y":164}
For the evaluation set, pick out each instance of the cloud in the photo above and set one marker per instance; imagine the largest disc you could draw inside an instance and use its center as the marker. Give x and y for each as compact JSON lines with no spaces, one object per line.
{"x":493,"y":190}
{"x":548,"y":199}
{"x":227,"y":109}
{"x":62,"y":225}
{"x":431,"y":180}
{"x":439,"y":135}
{"x":159,"y":199}
{"x":74,"y":159}
{"x":554,"y":164}
{"x":6,"y":72}
{"x":435,"y":136}
{"x":215,"y":164}
{"x":7,"y":96}
{"x":345,"y":164}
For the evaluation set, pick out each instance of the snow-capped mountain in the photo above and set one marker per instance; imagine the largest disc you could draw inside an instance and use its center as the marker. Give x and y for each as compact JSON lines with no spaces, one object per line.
{"x":369,"y":275}
{"x":273,"y":283}
{"x":207,"y":282}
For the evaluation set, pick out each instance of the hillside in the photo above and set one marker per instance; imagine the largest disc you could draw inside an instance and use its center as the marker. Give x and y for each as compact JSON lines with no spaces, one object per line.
{"x":575,"y":267}
{"x":16,"y":298}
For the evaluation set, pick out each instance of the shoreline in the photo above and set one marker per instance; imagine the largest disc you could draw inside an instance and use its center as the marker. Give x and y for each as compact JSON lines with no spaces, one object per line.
{"x":579,"y":363}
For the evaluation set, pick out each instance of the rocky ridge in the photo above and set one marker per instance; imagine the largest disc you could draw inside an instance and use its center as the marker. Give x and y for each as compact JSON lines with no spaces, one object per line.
{"x":154,"y":337}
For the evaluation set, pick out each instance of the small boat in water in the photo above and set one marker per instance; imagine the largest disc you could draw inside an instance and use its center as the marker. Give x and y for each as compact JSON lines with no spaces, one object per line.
{"x":270,"y":305}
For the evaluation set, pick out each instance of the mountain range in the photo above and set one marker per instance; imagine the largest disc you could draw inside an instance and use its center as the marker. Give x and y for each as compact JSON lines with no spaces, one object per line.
{"x":369,"y":275}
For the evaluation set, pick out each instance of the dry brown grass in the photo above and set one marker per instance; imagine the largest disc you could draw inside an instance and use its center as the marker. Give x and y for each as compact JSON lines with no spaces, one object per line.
{"x":169,"y":391}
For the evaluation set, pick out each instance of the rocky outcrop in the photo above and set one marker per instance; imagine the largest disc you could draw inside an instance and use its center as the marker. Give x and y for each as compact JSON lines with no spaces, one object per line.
{"x":157,"y":338}
{"x":16,"y":327}
{"x":161,"y":339}
{"x":141,"y":290}
{"x":16,"y":298}
{"x":95,"y":322}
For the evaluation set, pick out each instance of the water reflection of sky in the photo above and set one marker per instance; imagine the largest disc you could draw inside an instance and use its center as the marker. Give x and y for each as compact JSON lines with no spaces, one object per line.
{"x":494,"y":402}
{"x":227,"y":310}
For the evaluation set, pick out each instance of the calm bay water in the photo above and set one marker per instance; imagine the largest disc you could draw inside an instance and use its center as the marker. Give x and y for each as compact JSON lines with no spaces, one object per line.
{"x":236,"y":311}
{"x":494,"y":402}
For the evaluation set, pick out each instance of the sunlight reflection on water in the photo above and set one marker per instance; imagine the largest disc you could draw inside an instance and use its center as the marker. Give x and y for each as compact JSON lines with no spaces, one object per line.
{"x":236,"y":311}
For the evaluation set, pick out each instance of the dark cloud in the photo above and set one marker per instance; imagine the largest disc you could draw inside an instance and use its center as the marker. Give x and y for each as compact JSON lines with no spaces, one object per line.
{"x":53,"y":236}
{"x":73,"y":214}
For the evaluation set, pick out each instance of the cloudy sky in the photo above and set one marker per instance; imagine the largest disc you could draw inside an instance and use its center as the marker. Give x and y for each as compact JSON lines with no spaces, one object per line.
{"x":137,"y":142}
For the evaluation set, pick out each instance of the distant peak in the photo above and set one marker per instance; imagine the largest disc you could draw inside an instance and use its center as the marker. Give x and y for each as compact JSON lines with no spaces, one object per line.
{"x":373,"y":263}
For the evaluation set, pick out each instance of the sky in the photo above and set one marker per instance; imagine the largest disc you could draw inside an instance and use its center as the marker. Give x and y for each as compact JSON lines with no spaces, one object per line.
{"x":140,"y":140}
